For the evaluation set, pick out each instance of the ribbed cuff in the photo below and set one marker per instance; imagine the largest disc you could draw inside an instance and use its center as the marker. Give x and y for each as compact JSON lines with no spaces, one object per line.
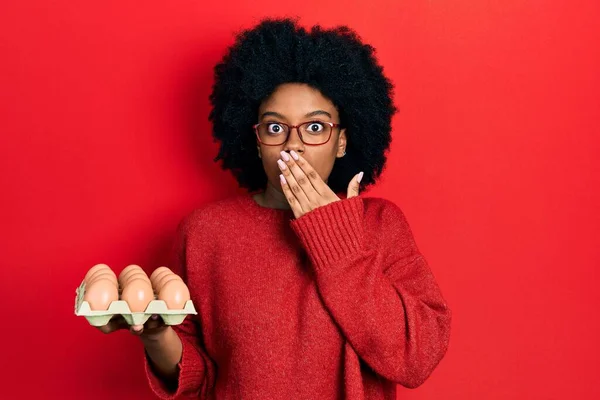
{"x":191,"y":373}
{"x":332,"y":232}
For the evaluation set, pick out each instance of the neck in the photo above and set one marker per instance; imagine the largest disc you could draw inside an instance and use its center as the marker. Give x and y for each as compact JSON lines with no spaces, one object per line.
{"x":272,"y":197}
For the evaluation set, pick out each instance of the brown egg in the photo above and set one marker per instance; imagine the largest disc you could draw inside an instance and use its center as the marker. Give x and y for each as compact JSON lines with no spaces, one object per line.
{"x":158,"y":271}
{"x":138,"y":294}
{"x":159,"y":283}
{"x":102,"y":274}
{"x":175,"y":293}
{"x":130,"y":267}
{"x":100,"y":294}
{"x":124,"y":277}
{"x":160,"y":275}
{"x":129,"y":270}
{"x":94,"y":269}
{"x":134,"y":275}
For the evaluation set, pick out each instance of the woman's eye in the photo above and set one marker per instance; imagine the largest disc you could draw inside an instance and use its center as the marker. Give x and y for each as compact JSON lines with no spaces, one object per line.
{"x":275,"y":128}
{"x":314,"y":127}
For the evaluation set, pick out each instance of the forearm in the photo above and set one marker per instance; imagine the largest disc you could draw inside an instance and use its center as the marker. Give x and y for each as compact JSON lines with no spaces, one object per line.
{"x":379,"y":290}
{"x":400,"y":332}
{"x":165,"y":353}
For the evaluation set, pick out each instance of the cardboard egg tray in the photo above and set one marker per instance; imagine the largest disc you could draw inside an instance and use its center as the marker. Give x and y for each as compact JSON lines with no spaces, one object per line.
{"x":159,"y":307}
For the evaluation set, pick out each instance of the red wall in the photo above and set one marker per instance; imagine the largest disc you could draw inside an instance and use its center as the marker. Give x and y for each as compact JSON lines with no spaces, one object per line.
{"x":105,"y":145}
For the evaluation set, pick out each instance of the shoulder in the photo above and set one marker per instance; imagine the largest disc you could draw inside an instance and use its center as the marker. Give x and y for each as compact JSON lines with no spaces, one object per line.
{"x":383,"y":209}
{"x":389,"y":223}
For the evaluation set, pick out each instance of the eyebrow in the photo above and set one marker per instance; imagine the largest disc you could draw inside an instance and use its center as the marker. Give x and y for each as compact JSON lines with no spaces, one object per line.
{"x":310,"y":114}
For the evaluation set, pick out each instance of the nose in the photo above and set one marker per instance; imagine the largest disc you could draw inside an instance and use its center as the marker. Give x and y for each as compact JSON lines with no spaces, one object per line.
{"x":294,"y":142}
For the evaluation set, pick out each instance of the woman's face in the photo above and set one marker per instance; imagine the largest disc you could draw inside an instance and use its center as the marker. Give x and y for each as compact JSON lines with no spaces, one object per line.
{"x":293,"y":104}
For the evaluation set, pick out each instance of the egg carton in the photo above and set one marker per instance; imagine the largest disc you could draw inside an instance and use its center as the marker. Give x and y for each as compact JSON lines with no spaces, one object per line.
{"x":158,"y":307}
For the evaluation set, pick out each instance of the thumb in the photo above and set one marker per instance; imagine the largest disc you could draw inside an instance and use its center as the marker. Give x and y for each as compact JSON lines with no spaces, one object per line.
{"x":354,"y":185}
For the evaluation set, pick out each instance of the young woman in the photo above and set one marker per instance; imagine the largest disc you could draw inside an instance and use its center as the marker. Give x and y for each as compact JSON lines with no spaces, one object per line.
{"x":304,"y":288}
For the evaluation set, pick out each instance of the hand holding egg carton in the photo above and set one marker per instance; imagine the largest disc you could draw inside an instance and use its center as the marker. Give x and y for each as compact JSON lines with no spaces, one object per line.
{"x":133,"y":295}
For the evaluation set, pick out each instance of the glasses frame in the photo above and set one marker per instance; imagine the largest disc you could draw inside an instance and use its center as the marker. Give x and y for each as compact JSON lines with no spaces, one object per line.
{"x":297,"y":127}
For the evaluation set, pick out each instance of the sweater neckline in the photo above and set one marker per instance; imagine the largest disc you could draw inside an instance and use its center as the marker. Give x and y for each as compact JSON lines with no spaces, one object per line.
{"x":261,"y":212}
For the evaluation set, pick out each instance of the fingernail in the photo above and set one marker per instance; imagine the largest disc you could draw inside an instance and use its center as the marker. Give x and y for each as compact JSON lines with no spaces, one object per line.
{"x":281,"y":164}
{"x":295,"y":155}
{"x":285,"y":156}
{"x":360,"y":176}
{"x":154,"y":316}
{"x":282,"y":179}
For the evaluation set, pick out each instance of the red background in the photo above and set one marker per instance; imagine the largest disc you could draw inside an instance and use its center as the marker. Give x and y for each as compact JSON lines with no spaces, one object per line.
{"x":105,"y":145}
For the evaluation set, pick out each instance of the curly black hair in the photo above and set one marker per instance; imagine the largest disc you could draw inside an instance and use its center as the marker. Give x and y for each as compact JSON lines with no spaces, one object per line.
{"x":335,"y":62}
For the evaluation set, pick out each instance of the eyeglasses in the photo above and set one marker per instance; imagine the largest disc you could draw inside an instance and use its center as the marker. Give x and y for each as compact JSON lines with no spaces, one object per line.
{"x":312,"y":133}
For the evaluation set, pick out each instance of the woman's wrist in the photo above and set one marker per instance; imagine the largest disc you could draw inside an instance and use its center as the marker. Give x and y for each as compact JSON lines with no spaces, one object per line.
{"x":156,"y":339}
{"x":164,"y":351}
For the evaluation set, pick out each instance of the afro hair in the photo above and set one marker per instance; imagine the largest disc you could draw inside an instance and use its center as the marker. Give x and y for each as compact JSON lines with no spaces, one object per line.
{"x":333,"y":61}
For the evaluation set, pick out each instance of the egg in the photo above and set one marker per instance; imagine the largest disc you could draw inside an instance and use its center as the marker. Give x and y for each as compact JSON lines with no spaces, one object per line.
{"x":94,"y":269}
{"x":159,"y":276}
{"x":100,"y":294}
{"x":134,"y":275}
{"x":175,"y":294}
{"x":138,"y":294}
{"x":130,"y":267}
{"x":126,"y":275}
{"x":164,"y":279}
{"x":158,"y":271}
{"x":102,"y":274}
{"x":128,"y":271}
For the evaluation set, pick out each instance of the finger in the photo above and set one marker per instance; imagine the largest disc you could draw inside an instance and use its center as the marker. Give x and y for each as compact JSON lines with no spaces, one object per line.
{"x":296,"y":208}
{"x":313,"y":176}
{"x":154,"y":322}
{"x":354,"y":185}
{"x":136,"y":329}
{"x":301,"y":177}
{"x":295,"y":188}
{"x":105,"y":328}
{"x":114,"y":324}
{"x":154,"y":327}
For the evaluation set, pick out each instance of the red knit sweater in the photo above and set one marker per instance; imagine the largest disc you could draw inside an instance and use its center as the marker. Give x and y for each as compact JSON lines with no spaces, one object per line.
{"x":337,"y":304}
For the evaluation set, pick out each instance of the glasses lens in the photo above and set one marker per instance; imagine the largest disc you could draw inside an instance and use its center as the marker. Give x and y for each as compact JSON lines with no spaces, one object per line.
{"x":315,"y":132}
{"x":272,"y":133}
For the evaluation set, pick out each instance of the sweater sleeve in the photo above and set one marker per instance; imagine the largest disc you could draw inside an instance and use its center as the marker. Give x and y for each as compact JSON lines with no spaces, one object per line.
{"x":196,"y":370}
{"x":382,"y":295}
